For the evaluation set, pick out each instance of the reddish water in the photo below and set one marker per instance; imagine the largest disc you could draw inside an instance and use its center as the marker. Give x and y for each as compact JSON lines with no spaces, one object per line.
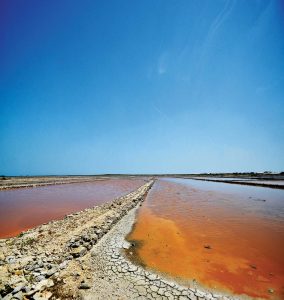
{"x":223,"y":236}
{"x":21,"y":209}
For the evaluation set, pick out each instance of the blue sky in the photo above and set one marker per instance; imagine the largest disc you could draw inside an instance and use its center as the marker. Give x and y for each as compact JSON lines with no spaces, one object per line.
{"x":90,"y":87}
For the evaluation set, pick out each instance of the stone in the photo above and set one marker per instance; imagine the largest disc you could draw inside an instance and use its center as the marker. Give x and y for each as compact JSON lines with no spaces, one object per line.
{"x":42,"y":296}
{"x":18,"y":288}
{"x":86,"y":238}
{"x":39,"y":278}
{"x":99,"y":232}
{"x":31,"y":292}
{"x":51,"y":272}
{"x":44,"y":284}
{"x":94,"y":237}
{"x":10,"y":259}
{"x":78,"y":252}
{"x":26,"y":272}
{"x":18,"y":296}
{"x":75,"y":245}
{"x":63,"y":265}
{"x":29,"y":268}
{"x":126,"y":245}
{"x":26,"y":289}
{"x":8,"y":297}
{"x":72,"y":240}
{"x":84,"y":286}
{"x":40,"y":263}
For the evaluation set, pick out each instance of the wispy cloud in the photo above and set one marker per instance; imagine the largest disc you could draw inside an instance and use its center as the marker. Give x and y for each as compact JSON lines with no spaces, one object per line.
{"x":161,"y":112}
{"x":202,"y":59}
{"x":217,"y":22}
{"x":162,"y":66}
{"x":216,"y":25}
{"x":221,"y":17}
{"x":263,"y":19}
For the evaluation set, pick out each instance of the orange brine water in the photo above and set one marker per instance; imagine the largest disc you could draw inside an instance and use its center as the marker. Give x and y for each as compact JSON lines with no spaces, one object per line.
{"x":228,"y":238}
{"x":24,"y":208}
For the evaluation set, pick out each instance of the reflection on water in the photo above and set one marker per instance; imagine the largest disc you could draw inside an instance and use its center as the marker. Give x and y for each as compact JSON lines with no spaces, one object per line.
{"x":21,"y":209}
{"x":226,"y":237}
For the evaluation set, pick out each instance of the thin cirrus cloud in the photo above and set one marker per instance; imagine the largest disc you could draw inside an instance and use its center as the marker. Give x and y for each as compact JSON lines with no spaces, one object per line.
{"x":162,"y":66}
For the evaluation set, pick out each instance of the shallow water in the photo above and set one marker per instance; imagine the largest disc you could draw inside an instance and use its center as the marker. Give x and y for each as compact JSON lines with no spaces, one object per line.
{"x":227,"y":237}
{"x":24,"y":208}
